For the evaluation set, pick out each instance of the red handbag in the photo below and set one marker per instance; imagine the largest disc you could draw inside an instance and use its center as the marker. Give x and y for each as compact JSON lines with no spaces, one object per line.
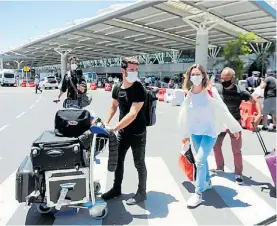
{"x":186,"y":161}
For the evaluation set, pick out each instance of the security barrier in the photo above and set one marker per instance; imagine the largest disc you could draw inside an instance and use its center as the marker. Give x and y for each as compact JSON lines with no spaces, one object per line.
{"x":178,"y":97}
{"x":161,"y":94}
{"x":23,"y":84}
{"x":31,"y":84}
{"x":247,"y":111}
{"x":168,"y":95}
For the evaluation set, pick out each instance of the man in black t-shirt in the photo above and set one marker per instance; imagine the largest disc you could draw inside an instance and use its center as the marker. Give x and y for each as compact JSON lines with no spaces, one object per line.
{"x":232,"y":97}
{"x":269,"y":85}
{"x":129,"y":96}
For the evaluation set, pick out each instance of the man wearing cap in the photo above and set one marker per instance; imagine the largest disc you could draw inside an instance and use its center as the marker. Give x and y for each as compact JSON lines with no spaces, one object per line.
{"x":269,"y":86}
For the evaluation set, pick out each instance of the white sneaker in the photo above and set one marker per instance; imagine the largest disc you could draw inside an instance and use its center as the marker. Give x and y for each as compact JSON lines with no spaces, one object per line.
{"x":208,"y":185}
{"x":195,"y":200}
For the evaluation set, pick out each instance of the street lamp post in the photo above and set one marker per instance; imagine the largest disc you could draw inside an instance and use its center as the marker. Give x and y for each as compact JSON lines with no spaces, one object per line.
{"x":260,"y":47}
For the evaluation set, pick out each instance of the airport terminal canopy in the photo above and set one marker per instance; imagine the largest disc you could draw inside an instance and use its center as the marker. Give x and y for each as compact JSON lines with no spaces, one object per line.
{"x":151,"y":27}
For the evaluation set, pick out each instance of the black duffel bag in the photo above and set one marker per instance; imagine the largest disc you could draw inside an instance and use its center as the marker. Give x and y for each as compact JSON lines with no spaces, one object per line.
{"x":72,"y":122}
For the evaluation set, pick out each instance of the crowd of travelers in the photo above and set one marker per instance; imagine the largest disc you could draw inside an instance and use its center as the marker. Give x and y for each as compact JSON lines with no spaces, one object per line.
{"x":209,"y":112}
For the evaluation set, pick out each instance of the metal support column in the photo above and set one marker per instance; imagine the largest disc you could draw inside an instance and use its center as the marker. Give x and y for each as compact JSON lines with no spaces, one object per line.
{"x":1,"y":64}
{"x":63,"y":54}
{"x":18,"y":63}
{"x":260,"y":47}
{"x":202,"y":37}
{"x":212,"y":54}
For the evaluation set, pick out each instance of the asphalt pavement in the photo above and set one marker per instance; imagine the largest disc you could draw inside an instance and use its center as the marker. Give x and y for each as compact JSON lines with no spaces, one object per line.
{"x":25,"y":115}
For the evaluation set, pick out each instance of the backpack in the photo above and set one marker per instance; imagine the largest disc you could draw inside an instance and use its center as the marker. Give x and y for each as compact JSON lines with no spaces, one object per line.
{"x":150,"y":104}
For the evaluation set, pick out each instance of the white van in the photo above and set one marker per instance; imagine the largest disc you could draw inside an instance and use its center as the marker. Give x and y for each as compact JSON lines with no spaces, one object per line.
{"x":7,"y":77}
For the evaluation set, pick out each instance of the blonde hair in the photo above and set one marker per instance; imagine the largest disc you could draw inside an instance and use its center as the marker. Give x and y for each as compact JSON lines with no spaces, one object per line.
{"x":205,"y":81}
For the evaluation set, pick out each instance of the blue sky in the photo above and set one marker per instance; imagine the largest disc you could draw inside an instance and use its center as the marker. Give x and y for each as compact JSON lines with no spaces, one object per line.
{"x":23,"y":20}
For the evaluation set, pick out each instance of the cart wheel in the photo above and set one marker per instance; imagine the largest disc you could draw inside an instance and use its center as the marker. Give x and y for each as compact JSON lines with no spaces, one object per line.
{"x":97,"y":187}
{"x":103,"y":215}
{"x":43,"y":209}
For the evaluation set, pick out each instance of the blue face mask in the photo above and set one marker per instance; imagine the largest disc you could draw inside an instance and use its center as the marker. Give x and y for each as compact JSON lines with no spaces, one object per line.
{"x":132,"y":76}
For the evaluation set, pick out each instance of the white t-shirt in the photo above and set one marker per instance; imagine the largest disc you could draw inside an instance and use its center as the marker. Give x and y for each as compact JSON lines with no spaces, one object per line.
{"x":200,"y":115}
{"x":36,"y":81}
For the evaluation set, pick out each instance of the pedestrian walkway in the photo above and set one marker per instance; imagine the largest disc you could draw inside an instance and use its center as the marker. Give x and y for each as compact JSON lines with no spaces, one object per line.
{"x":166,"y":203}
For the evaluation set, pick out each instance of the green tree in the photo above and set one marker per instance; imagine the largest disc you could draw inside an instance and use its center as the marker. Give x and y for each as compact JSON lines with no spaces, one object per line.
{"x":236,"y":48}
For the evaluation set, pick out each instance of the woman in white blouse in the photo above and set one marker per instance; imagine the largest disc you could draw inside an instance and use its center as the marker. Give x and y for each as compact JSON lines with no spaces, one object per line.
{"x":202,"y":118}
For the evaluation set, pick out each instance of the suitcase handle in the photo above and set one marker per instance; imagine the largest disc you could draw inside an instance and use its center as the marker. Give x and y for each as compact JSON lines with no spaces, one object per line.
{"x":261,"y":141}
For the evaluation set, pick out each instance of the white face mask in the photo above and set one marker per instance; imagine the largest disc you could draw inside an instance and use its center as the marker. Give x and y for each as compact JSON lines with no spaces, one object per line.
{"x":132,"y":76}
{"x":196,"y":80}
{"x":74,"y":67}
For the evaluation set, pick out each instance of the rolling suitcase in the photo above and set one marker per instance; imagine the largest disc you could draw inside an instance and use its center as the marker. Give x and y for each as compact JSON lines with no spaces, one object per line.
{"x":25,"y":180}
{"x":270,"y":157}
{"x":50,"y":152}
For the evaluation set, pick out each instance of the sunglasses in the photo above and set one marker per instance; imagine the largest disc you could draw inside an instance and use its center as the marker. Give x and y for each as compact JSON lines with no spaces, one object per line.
{"x":195,"y":74}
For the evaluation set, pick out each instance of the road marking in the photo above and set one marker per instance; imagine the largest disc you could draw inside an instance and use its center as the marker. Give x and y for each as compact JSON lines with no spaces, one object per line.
{"x":3,"y":127}
{"x":241,"y":200}
{"x":83,"y":217}
{"x":165,"y":204}
{"x":8,"y":204}
{"x":21,"y":114}
{"x":37,"y":101}
{"x":31,"y":106}
{"x":1,"y":157}
{"x":258,"y":162}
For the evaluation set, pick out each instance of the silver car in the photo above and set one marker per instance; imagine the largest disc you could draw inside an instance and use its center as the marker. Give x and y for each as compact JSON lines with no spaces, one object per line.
{"x":49,"y":82}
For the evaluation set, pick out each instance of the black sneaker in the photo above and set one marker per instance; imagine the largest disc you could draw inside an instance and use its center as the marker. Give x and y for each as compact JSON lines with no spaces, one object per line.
{"x":264,"y":128}
{"x":139,"y":197}
{"x":239,"y":179}
{"x":111,"y":194}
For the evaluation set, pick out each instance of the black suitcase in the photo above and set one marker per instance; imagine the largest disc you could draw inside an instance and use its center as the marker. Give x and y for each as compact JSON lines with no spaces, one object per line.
{"x":72,"y":122}
{"x":51,"y":152}
{"x":25,"y":180}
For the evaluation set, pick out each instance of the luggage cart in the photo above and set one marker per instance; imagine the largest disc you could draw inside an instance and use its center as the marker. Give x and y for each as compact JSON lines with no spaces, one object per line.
{"x":75,"y":188}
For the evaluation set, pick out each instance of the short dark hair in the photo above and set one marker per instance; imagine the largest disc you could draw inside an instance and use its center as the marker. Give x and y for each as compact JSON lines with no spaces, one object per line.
{"x":128,"y":60}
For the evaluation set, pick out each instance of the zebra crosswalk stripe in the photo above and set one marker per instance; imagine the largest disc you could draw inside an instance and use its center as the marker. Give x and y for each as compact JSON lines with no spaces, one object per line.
{"x":8,"y":204}
{"x":258,"y":162}
{"x":166,"y":204}
{"x":248,"y":207}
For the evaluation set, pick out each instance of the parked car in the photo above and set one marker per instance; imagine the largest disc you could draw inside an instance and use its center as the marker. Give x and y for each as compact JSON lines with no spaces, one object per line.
{"x":49,"y":82}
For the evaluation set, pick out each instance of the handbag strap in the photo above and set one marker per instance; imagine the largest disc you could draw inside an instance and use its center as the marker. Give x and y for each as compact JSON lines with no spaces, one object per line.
{"x":210,"y":92}
{"x":74,"y":87}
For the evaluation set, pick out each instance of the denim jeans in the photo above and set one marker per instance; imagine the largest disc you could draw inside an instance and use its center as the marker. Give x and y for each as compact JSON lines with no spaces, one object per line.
{"x":137,"y":142}
{"x":203,"y":145}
